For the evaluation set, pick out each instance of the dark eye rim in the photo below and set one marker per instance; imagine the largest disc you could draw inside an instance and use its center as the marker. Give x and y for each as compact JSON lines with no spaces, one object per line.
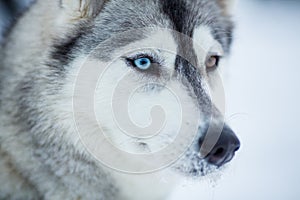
{"x":130,"y":60}
{"x":218,"y":58}
{"x":153,"y":70}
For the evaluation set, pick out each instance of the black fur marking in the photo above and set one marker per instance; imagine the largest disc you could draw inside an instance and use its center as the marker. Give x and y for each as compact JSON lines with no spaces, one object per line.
{"x":191,"y":76}
{"x":179,"y":15}
{"x":62,"y":51}
{"x":187,"y":15}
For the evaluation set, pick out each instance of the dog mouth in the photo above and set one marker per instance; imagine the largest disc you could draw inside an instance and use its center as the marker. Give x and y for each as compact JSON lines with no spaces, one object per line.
{"x":193,"y":166}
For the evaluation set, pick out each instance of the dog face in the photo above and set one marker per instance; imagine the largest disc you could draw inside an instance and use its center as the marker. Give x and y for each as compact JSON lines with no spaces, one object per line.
{"x":146,"y":53}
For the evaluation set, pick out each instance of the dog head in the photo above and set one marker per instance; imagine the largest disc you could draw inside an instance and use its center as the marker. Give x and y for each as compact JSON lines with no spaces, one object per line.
{"x":147,"y":74}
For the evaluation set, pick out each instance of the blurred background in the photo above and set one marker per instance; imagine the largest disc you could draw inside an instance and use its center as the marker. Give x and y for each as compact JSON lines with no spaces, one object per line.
{"x":262,"y":88}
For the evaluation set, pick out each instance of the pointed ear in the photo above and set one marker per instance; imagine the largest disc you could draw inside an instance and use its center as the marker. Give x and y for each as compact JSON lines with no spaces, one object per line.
{"x":227,"y":6}
{"x":83,"y":8}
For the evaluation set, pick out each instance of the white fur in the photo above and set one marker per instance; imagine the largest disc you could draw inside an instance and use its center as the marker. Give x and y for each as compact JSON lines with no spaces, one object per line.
{"x":28,"y":39}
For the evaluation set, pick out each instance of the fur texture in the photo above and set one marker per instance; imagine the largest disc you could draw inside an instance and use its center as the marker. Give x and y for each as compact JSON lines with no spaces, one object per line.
{"x":42,"y":156}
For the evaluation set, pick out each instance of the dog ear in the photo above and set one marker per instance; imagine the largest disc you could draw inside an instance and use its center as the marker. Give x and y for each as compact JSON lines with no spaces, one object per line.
{"x":227,"y":6}
{"x":83,"y":8}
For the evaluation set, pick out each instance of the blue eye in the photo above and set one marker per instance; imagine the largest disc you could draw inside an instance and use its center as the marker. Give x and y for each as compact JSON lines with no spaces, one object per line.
{"x":142,"y":63}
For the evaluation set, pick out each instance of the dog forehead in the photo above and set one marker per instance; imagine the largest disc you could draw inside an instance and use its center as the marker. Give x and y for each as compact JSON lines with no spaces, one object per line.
{"x":180,"y":15}
{"x":119,"y":16}
{"x":183,"y":16}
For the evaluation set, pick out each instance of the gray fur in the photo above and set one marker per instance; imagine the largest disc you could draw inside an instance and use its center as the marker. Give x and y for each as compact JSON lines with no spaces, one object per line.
{"x":36,"y":162}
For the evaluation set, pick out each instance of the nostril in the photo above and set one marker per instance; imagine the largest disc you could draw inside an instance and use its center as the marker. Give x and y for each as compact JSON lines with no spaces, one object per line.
{"x":217,"y":155}
{"x":219,"y":152}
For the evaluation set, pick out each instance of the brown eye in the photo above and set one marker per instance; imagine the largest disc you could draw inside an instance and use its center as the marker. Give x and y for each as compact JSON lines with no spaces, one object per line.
{"x":212,"y":62}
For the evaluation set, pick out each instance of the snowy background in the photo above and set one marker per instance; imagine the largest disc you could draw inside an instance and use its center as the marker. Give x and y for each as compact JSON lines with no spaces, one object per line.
{"x":262,"y":106}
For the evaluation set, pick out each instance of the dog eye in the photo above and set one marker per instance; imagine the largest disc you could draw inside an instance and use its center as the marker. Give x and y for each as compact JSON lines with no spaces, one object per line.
{"x":212,"y":62}
{"x":148,"y":64}
{"x":142,"y":63}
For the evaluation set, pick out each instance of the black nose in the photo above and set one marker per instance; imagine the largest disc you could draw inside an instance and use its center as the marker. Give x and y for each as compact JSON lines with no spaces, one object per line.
{"x":224,"y":149}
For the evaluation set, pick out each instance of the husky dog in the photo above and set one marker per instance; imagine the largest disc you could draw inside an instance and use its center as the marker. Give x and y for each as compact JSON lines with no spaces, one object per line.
{"x":43,"y":154}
